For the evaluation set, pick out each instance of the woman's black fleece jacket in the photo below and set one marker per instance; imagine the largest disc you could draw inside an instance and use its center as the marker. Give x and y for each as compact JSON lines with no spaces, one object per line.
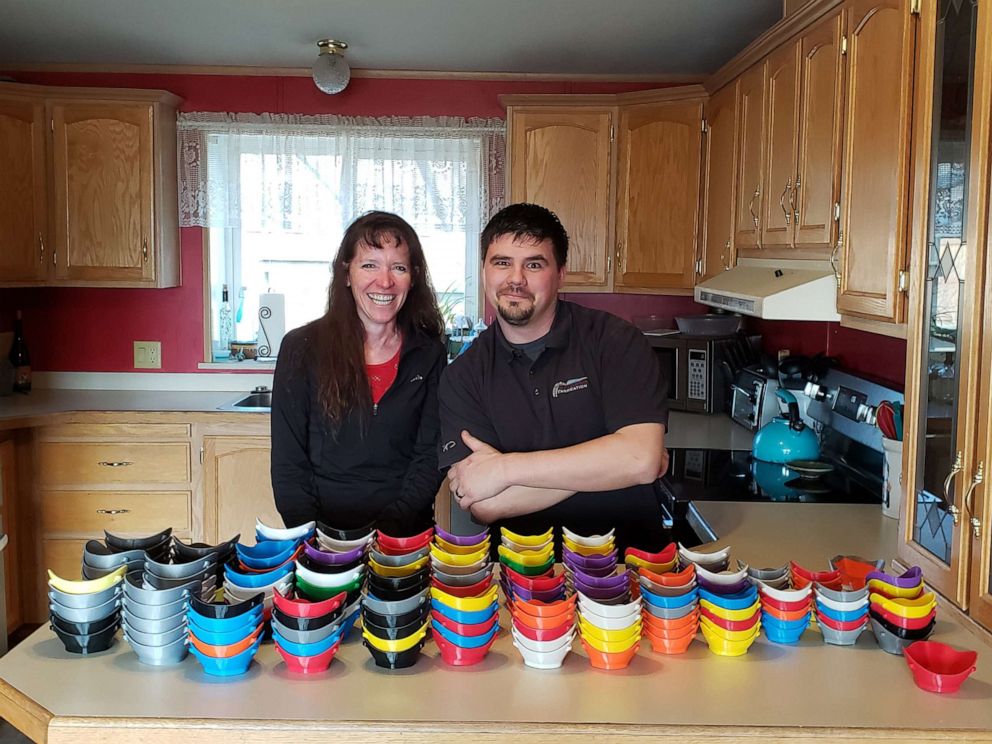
{"x":388,"y":475}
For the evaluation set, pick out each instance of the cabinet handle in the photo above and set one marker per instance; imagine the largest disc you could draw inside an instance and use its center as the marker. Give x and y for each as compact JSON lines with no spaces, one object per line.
{"x":781,"y":200}
{"x":725,"y":256}
{"x":144,"y":250}
{"x":795,"y":202}
{"x":955,"y":469}
{"x":41,"y":249}
{"x":55,"y":255}
{"x":113,"y":511}
{"x":976,"y":526}
{"x":834,"y":253}
{"x":115,"y":463}
{"x":750,"y":206}
{"x":979,"y":476}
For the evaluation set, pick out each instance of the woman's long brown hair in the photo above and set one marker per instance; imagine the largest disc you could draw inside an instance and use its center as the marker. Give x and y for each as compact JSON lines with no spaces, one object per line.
{"x":343,"y":384}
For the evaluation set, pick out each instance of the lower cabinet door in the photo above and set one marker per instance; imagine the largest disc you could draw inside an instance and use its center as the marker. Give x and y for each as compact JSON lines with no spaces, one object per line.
{"x":237,"y":487}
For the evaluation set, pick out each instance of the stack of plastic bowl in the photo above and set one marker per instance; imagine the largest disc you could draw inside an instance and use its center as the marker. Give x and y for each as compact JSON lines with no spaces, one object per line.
{"x":662,"y":562}
{"x":841,"y":614}
{"x":225,"y":636}
{"x":395,"y":609}
{"x":528,"y":555}
{"x":223,"y":552}
{"x":242,"y":584}
{"x":714,"y":562}
{"x":85,"y":614}
{"x":803,"y":577}
{"x":785,"y":612}
{"x":307,"y":634}
{"x":299,"y":533}
{"x":155,"y":620}
{"x":543,"y":631}
{"x":202,"y":570}
{"x":100,"y":559}
{"x":461,"y":643}
{"x":670,"y":608}
{"x":730,"y":610}
{"x":900,"y":611}
{"x":346,"y":548}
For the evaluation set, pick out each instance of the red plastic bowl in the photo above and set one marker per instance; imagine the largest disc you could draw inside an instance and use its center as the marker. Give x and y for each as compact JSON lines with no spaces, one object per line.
{"x":542,"y":583}
{"x":458,"y":656}
{"x":731,"y":624}
{"x":777,"y":604}
{"x":662,"y":556}
{"x":822,"y":576}
{"x":305,"y":608}
{"x":407,"y":544}
{"x":465,"y":629}
{"x":841,"y":624}
{"x":543,"y":634}
{"x":938,"y":667}
{"x":909,"y":623}
{"x":473,"y":590}
{"x":308,"y":664}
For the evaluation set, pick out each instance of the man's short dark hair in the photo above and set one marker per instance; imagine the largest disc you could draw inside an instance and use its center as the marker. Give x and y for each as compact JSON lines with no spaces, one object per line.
{"x":531,"y":221}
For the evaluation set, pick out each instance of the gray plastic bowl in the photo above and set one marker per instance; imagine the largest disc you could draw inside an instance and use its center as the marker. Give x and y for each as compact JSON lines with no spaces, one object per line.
{"x":397,"y":607}
{"x":396,"y":561}
{"x":82,"y":601}
{"x":889,"y":642}
{"x":135,"y":590}
{"x":180,"y":570}
{"x":670,"y":613}
{"x":155,"y":612}
{"x":161,"y":584}
{"x":838,"y":596}
{"x":86,"y":614}
{"x":159,"y":625}
{"x":155,"y":639}
{"x":840,"y":637}
{"x":306,"y":636}
{"x":173,"y":653}
{"x":98,"y":555}
{"x":464,"y":579}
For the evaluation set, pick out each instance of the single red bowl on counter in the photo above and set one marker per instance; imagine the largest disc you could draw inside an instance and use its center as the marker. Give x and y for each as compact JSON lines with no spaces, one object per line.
{"x":937,"y":667}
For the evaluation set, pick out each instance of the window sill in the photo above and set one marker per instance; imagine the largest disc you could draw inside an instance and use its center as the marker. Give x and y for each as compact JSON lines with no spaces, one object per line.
{"x":248,"y":365}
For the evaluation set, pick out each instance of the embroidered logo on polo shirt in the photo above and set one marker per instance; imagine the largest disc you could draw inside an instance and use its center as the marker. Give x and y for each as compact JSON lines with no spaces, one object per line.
{"x":569,"y":386}
{"x":416,"y":378}
{"x":447,"y":446}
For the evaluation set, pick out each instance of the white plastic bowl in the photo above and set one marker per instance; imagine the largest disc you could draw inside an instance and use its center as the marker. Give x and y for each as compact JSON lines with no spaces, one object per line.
{"x":284,"y":533}
{"x":724,"y":578}
{"x":589,"y":541}
{"x":329,"y":580}
{"x":520,"y":548}
{"x":605,"y":610}
{"x":833,"y":604}
{"x":707,"y":559}
{"x":785,"y":595}
{"x":343,"y":546}
{"x":542,"y":647}
{"x":283,"y":584}
{"x":537,"y":660}
{"x":610,"y":623}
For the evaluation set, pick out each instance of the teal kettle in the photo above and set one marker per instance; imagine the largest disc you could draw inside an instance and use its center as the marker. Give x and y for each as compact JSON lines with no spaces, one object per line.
{"x":786,"y":438}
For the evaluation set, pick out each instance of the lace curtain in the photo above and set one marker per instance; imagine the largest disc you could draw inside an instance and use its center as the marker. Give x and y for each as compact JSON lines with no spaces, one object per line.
{"x":310,"y":172}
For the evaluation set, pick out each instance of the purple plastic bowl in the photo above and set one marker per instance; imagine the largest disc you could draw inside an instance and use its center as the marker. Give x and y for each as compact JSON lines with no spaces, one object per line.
{"x":549,"y":595}
{"x":908,"y":580}
{"x":610,"y":581}
{"x":461,"y":539}
{"x":722,"y":588}
{"x":597,"y":572}
{"x":602,"y":593}
{"x":332,"y":559}
{"x":588,"y":561}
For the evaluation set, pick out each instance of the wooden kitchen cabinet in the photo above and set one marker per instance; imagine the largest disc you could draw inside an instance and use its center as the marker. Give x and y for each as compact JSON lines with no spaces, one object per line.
{"x":23,"y":212}
{"x":562,"y":158}
{"x":719,"y":184}
{"x":874,"y":201}
{"x":99,"y":205}
{"x":660,"y":146}
{"x":237,"y":487}
{"x":750,"y":158}
{"x":781,"y":89}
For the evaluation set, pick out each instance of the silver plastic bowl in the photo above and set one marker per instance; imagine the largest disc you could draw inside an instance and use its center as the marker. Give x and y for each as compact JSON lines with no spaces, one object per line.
{"x":86,"y":614}
{"x":155,"y":639}
{"x":155,"y":612}
{"x":159,"y":625}
{"x":82,"y":601}
{"x":135,"y":590}
{"x":172,"y":653}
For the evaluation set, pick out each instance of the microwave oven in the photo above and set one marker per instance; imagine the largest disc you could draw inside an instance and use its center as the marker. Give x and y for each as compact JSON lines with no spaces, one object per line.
{"x":699,"y":371}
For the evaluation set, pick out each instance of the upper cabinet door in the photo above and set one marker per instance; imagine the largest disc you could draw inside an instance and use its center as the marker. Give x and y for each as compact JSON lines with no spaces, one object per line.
{"x":104,"y":190}
{"x":561,"y":158}
{"x":24,"y":254}
{"x":750,"y":158}
{"x":719,"y":187}
{"x":817,"y":184}
{"x":782,"y":91}
{"x":658,"y":160}
{"x":872,"y":244}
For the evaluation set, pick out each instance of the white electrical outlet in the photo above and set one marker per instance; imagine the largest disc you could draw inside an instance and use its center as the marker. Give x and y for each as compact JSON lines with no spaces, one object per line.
{"x":148,"y":355}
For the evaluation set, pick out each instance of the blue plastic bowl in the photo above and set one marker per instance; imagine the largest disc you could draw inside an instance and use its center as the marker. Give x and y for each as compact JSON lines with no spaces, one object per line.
{"x":463,"y":641}
{"x":227,"y":667}
{"x":843,"y":617}
{"x":669,"y":603}
{"x":739,"y":601}
{"x":307,"y":649}
{"x":228,"y":626}
{"x":775,"y":634}
{"x":260,"y":538}
{"x":253,"y":581}
{"x":784,"y":625}
{"x":463,"y":616}
{"x":268,"y":554}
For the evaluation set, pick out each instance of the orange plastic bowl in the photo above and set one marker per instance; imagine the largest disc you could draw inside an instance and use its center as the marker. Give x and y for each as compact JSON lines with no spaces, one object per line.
{"x":543,"y":623}
{"x":224,"y":652}
{"x":671,"y":578}
{"x":671,"y":646}
{"x":670,"y":635}
{"x":680,"y":623}
{"x":537,"y":608}
{"x":785,"y":615}
{"x":937,"y":667}
{"x":604,"y":660}
{"x":853,"y":573}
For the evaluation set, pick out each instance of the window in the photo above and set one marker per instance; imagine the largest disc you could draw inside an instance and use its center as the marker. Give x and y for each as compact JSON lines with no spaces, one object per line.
{"x":276,"y":197}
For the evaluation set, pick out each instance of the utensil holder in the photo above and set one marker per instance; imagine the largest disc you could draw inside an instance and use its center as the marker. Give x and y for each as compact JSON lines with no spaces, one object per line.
{"x":892,"y":477}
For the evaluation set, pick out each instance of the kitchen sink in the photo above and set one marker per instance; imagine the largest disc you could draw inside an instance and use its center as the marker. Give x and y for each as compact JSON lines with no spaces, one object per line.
{"x":258,"y":400}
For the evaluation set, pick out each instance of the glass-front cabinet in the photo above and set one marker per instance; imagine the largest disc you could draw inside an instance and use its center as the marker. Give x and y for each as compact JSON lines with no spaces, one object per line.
{"x":946,"y":423}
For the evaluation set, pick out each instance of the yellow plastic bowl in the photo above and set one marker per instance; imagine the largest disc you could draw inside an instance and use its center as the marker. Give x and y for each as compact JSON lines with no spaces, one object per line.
{"x":87,"y":587}
{"x":394,"y":571}
{"x":612,"y":636}
{"x":724,"y":647}
{"x":400,"y":645}
{"x":730,"y":635}
{"x":910,"y":609}
{"x":611,"y":647}
{"x":527,"y":539}
{"x":633,"y":560}
{"x":723,"y":612}
{"x":466,"y":604}
{"x":530,"y":558}
{"x":448,"y":547}
{"x":459,"y":559}
{"x":875,"y":586}
{"x":588,"y":549}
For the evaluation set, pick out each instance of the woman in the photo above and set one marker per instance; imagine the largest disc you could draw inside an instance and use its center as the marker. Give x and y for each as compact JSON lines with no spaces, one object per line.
{"x":354,"y":402}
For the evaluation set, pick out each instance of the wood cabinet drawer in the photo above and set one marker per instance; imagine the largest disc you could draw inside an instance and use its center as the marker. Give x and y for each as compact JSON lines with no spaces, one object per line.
{"x":125,"y":512}
{"x":87,"y":463}
{"x":64,"y":557}
{"x":115,"y":432}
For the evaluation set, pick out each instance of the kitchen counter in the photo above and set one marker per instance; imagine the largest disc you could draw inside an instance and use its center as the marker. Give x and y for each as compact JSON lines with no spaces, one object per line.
{"x":809,"y":691}
{"x":702,"y":431}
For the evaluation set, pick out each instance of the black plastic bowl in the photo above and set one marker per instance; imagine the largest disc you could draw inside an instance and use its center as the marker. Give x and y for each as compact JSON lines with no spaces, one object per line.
{"x":353,"y":533}
{"x":306,"y":623}
{"x":326,"y":568}
{"x":86,"y":644}
{"x":418,"y":615}
{"x":138,"y":543}
{"x":395,"y":595}
{"x":907,"y":634}
{"x":183,"y":553}
{"x":387,"y":633}
{"x":222,"y":610}
{"x":394,"y":659}
{"x":399,"y":583}
{"x":81,"y":629}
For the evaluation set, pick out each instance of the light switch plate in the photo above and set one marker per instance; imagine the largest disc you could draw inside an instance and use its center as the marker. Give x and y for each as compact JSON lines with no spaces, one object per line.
{"x":148,"y":355}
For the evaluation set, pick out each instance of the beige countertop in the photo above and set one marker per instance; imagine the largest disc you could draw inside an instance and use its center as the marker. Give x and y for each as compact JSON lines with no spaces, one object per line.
{"x":779,"y":692}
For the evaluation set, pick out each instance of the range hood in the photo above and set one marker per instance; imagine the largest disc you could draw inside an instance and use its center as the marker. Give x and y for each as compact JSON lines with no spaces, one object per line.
{"x":774,"y":289}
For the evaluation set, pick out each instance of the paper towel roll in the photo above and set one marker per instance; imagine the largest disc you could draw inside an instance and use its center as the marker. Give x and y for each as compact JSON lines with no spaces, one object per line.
{"x":271,"y":324}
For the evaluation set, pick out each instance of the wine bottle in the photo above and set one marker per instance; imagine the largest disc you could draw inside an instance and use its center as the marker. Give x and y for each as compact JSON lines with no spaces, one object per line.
{"x":20,"y":358}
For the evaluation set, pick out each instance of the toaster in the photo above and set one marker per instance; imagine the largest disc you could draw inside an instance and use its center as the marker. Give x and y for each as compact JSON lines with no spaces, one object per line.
{"x":752,"y":398}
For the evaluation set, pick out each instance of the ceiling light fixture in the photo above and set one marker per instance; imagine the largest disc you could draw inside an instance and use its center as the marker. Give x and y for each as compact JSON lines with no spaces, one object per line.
{"x":331,"y":72}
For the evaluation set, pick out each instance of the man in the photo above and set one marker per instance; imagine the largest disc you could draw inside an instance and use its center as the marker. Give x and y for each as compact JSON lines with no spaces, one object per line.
{"x":556,"y":414}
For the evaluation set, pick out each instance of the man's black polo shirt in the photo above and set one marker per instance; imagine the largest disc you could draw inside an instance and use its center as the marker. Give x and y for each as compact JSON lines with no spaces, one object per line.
{"x":597,"y":374}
